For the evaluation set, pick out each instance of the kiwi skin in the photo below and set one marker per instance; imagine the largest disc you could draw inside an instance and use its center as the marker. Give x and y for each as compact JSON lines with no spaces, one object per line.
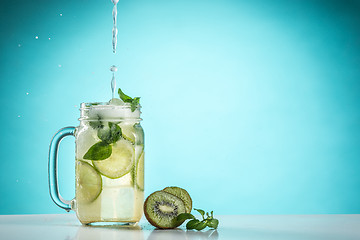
{"x":154,"y":223}
{"x":185,"y":198}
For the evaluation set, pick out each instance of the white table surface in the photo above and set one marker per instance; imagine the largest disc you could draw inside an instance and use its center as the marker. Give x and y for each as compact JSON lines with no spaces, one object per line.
{"x":289,"y":227}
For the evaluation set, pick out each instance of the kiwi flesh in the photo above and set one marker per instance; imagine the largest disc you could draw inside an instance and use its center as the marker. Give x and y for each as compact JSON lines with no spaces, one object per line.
{"x":161,"y":209}
{"x":182,"y":194}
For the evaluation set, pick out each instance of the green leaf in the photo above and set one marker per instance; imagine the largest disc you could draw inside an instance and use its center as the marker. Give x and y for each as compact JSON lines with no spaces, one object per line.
{"x":213,"y":223}
{"x":192,"y":224}
{"x":96,"y":124}
{"x":110,"y":134}
{"x":202,"y":212}
{"x":124,"y":97}
{"x":98,"y":151}
{"x":135,"y":103}
{"x":184,"y":216}
{"x":201,"y":225}
{"x":196,"y":224}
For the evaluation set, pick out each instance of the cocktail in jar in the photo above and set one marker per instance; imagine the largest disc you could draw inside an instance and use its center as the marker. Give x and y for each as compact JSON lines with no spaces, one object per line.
{"x":109,"y":166}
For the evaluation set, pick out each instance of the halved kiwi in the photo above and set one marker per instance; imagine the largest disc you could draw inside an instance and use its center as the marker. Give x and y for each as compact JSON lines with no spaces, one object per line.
{"x":161,"y":209}
{"x":182,"y":194}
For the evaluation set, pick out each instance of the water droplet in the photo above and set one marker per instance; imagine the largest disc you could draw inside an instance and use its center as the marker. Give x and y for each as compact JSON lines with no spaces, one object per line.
{"x":36,"y":37}
{"x":60,"y":14}
{"x":113,"y":68}
{"x":27,"y":93}
{"x":19,"y":116}
{"x":19,"y":45}
{"x":17,"y":180}
{"x":59,"y":65}
{"x":49,"y":38}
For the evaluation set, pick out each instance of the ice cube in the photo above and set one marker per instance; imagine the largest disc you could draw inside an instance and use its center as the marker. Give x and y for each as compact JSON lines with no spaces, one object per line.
{"x":116,"y":101}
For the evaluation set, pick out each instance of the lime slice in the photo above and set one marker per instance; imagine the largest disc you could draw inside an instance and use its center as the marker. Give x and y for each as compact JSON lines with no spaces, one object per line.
{"x":140,"y":172}
{"x":89,"y":183}
{"x":120,"y":162}
{"x":128,"y":131}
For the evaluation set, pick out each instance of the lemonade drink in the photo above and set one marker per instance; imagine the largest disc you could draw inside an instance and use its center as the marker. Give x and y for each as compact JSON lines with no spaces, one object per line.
{"x":109,"y":163}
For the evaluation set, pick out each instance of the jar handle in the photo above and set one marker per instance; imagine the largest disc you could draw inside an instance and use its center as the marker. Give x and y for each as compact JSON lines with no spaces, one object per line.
{"x":53,"y":174}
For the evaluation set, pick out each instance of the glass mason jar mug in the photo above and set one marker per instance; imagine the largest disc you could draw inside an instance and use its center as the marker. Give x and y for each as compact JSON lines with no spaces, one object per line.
{"x":109,"y":165}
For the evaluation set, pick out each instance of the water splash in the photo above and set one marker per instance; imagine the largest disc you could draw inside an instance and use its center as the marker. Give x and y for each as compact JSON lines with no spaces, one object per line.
{"x":114,"y":30}
{"x":113,"y":69}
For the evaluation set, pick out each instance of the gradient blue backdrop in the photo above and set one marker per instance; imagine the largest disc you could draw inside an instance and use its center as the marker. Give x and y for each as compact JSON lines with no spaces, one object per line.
{"x":253,"y":106}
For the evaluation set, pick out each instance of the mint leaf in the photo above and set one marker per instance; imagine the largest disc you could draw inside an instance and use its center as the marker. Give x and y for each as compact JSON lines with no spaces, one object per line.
{"x":192,"y":224}
{"x":124,"y":97}
{"x":201,"y":225}
{"x":135,"y":103}
{"x":202,"y":212}
{"x":196,"y":224}
{"x":98,"y":151}
{"x":110,"y":134}
{"x":96,"y":124}
{"x":184,"y":216}
{"x":213,"y":223}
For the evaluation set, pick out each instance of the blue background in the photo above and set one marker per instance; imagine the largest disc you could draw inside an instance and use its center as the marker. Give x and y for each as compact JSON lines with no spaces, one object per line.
{"x":252,"y":106}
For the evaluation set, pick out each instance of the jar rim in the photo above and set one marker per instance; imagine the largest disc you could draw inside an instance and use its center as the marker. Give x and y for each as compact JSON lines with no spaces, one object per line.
{"x":108,"y":112}
{"x":99,"y":105}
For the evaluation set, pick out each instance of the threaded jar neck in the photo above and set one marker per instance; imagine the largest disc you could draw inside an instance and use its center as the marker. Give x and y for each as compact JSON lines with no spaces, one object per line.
{"x":108,"y":112}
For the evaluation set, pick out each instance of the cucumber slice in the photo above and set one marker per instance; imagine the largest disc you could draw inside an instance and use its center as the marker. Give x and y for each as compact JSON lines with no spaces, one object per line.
{"x":139,"y":172}
{"x":120,"y":162}
{"x":88,"y":182}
